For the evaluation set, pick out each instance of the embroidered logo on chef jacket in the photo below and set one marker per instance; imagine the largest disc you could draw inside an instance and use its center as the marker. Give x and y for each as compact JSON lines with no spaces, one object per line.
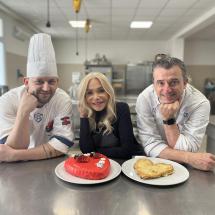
{"x":65,"y":120}
{"x":154,"y":111}
{"x":185,"y":114}
{"x":38,"y":117}
{"x":49,"y":126}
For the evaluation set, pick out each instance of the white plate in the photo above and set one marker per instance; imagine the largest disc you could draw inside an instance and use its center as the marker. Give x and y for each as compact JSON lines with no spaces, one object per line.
{"x":62,"y":174}
{"x":180,"y":174}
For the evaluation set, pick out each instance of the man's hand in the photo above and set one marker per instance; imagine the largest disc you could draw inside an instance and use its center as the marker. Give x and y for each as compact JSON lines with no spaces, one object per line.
{"x":6,"y":153}
{"x":169,"y":111}
{"x":28,"y":103}
{"x":202,"y":161}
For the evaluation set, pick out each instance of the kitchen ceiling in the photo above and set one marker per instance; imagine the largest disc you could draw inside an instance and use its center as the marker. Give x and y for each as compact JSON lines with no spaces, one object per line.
{"x":111,"y":19}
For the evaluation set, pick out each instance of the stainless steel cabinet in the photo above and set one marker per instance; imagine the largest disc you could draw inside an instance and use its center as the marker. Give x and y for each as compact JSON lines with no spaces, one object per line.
{"x":106,"y":70}
{"x":138,"y":77}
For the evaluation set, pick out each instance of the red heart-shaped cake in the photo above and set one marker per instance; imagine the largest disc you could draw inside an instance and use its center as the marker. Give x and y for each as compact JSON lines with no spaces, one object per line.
{"x":92,"y":166}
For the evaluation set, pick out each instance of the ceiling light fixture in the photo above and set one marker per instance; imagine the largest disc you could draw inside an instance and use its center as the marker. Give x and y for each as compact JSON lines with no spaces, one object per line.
{"x":77,"y":24}
{"x":141,"y":24}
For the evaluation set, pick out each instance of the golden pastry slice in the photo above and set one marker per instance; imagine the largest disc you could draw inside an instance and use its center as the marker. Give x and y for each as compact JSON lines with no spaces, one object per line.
{"x":142,"y":163}
{"x":146,"y":169}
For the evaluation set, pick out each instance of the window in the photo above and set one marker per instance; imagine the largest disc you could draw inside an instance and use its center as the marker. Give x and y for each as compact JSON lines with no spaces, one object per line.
{"x":1,"y":28}
{"x":2,"y":56}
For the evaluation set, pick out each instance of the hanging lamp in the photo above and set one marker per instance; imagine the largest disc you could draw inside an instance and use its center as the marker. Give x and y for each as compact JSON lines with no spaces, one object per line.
{"x":87,"y":26}
{"x":76,"y":6}
{"x":48,"y":24}
{"x":87,"y":29}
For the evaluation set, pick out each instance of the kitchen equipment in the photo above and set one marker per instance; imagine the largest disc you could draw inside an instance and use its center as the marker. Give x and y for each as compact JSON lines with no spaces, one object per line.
{"x":3,"y":89}
{"x":138,"y":77}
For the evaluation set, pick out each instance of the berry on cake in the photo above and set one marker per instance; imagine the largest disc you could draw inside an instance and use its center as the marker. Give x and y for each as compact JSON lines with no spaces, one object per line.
{"x":93,"y":166}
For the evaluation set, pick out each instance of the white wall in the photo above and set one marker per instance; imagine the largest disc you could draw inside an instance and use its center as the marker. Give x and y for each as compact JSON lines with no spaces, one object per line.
{"x":199,"y":52}
{"x":15,"y":51}
{"x":119,"y":52}
{"x":177,"y":48}
{"x":12,"y":44}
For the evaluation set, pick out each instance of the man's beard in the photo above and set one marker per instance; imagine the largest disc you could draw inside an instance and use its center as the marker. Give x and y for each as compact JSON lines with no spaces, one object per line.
{"x":42,"y":100}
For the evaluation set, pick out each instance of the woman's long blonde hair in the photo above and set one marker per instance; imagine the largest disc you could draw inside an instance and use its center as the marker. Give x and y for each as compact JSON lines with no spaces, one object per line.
{"x":110,"y":115}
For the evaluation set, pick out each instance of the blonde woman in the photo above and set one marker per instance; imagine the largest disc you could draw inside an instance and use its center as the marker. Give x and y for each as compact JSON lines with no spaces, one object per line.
{"x":105,"y":125}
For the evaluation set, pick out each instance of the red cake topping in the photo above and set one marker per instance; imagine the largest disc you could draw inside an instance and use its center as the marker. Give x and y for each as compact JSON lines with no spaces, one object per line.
{"x":82,"y":159}
{"x":90,"y":166}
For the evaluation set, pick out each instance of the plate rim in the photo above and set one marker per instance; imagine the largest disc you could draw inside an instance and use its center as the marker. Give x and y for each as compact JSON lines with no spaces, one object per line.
{"x":88,"y":181}
{"x":150,"y":181}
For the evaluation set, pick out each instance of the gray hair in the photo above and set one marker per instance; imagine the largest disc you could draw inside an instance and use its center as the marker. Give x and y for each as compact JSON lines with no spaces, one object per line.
{"x":168,"y":62}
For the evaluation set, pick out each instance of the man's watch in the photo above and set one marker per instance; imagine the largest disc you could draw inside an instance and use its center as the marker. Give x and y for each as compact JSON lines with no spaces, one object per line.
{"x":169,"y":121}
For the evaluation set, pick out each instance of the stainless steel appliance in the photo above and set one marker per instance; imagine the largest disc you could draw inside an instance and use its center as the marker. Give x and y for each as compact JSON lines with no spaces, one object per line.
{"x":3,"y":89}
{"x":138,"y":77}
{"x":105,"y":69}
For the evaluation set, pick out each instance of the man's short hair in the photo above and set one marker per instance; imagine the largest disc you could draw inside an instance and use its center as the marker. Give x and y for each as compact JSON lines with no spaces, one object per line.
{"x":168,"y":63}
{"x":159,"y":56}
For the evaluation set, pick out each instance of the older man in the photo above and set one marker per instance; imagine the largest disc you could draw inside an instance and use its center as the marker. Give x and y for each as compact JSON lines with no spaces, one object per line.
{"x":172,"y":116}
{"x":35,"y":119}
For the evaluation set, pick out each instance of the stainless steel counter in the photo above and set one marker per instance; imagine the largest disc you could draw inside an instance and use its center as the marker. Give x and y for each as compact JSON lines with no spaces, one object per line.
{"x":32,"y":188}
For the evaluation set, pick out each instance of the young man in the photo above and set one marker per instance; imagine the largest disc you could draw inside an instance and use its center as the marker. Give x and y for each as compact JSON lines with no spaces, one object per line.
{"x":172,"y":116}
{"x":35,"y":119}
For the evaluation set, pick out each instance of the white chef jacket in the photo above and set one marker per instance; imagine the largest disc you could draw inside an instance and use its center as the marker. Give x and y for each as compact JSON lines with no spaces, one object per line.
{"x":192,"y":120}
{"x":52,"y":123}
